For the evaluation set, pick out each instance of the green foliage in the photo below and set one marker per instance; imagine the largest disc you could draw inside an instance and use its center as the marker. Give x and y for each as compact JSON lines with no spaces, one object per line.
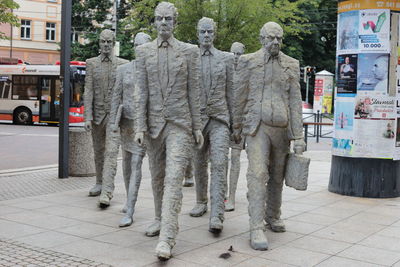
{"x":6,"y":15}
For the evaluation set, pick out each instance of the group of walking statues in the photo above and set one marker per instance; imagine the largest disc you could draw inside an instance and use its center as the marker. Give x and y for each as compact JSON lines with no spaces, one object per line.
{"x":187,"y":105}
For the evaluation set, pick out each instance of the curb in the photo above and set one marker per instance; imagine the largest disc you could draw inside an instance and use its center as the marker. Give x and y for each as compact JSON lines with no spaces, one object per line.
{"x":27,"y":170}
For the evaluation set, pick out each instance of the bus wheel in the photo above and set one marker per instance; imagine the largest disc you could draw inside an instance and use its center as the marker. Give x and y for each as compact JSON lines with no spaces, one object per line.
{"x":22,"y":116}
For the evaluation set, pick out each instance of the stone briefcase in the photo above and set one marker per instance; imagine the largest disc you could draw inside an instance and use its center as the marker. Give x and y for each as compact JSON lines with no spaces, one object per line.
{"x":296,"y":174}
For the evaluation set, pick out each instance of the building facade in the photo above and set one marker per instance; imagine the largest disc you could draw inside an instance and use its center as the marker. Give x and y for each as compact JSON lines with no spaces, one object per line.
{"x":37,"y":39}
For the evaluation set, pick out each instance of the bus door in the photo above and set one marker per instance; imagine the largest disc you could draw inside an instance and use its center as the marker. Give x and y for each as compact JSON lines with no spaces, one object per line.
{"x":49,"y":99}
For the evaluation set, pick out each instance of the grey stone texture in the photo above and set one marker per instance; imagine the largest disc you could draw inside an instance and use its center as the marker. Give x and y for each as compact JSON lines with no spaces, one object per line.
{"x":268,"y":112}
{"x":237,"y":49}
{"x":81,"y":158}
{"x":216,"y":100}
{"x":99,"y":82}
{"x":167,"y":73}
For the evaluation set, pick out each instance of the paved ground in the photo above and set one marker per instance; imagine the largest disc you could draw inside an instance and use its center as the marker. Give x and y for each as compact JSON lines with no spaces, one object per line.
{"x":58,"y":225}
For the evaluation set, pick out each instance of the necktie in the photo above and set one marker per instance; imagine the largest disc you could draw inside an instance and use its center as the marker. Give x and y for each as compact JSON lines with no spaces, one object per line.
{"x":163,"y":54}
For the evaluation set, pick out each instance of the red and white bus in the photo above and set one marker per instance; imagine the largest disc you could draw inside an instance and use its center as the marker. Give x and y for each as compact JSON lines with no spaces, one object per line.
{"x":31,"y":93}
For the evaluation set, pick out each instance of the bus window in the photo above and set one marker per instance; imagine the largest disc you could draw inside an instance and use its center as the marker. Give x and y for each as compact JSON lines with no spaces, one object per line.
{"x":25,"y":87}
{"x":5,"y":85}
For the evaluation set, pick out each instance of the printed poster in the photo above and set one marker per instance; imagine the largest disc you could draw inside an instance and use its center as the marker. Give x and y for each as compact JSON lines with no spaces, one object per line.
{"x":373,"y":72}
{"x":374,"y":31}
{"x":347,"y":41}
{"x":347,"y":74}
{"x":342,"y":141}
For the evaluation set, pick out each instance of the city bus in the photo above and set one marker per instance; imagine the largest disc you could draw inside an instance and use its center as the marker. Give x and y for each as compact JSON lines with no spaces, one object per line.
{"x":31,"y":93}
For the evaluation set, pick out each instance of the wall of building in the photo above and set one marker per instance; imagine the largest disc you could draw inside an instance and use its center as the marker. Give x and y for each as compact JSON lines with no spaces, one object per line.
{"x":36,"y":50}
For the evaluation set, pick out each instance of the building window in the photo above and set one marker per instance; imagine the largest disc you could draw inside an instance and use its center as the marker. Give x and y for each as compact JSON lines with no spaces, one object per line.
{"x":25,"y":29}
{"x":50,"y":31}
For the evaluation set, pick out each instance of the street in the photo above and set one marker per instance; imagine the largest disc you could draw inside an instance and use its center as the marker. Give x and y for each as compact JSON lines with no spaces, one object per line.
{"x":28,"y":146}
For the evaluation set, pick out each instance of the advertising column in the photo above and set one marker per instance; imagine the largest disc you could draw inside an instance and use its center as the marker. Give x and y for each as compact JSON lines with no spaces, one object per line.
{"x":365,"y":119}
{"x":323,"y":90}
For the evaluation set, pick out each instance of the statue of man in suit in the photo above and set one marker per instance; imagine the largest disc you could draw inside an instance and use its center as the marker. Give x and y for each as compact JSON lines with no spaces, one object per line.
{"x":268,"y":113}
{"x":99,"y":82}
{"x":237,"y":49}
{"x":216,"y":104}
{"x":122,"y":117}
{"x":167,"y":73}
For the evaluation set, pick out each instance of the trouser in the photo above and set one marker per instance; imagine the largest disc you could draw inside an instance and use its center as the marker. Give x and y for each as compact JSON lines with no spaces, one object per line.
{"x":266,"y":152}
{"x":216,"y":147}
{"x":189,"y":170}
{"x":169,"y":156}
{"x":99,"y":145}
{"x":234,"y":171}
{"x":112,"y":141}
{"x":132,"y":158}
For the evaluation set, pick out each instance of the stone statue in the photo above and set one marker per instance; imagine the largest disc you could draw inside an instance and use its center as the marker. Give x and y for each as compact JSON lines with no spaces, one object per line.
{"x":168,"y":111}
{"x":188,"y":181}
{"x":215,"y":102}
{"x":121,"y":117}
{"x":268,"y":112}
{"x":237,"y":49}
{"x":99,"y":82}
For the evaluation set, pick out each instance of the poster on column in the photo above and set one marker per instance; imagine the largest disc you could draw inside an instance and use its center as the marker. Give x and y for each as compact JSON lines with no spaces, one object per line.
{"x":347,"y":41}
{"x":374,"y":125}
{"x":396,"y":153}
{"x":342,"y":141}
{"x":347,"y":75}
{"x":373,"y":72}
{"x":374,"y":31}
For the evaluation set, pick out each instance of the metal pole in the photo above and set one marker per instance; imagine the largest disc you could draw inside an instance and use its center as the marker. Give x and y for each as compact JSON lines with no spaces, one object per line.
{"x":307,"y":87}
{"x":11,"y":37}
{"x":63,"y":144}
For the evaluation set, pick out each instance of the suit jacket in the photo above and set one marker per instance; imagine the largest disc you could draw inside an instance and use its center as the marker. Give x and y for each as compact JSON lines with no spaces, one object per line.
{"x":286,"y":109}
{"x":180,"y":104}
{"x":123,"y":92}
{"x":219,"y":100}
{"x":97,"y":95}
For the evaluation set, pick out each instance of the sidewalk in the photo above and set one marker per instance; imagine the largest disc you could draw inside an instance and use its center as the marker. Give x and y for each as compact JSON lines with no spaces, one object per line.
{"x":45,"y":221}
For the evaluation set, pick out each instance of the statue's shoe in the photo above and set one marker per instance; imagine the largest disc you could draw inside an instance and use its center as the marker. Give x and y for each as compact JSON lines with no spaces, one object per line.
{"x":276,"y":225}
{"x":258,"y":240}
{"x":189,"y":182}
{"x":215,"y":225}
{"x":95,"y":190}
{"x":153,"y":229}
{"x":104,"y":199}
{"x":125,"y":221}
{"x":198,"y":210}
{"x":163,"y":251}
{"x":230,"y":205}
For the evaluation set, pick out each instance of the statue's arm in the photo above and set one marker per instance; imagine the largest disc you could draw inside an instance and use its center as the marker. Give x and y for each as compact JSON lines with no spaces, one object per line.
{"x":229,"y":84}
{"x":194,"y":87}
{"x":141,"y":91}
{"x":88,"y":94}
{"x":240,"y":91}
{"x":295,"y":104}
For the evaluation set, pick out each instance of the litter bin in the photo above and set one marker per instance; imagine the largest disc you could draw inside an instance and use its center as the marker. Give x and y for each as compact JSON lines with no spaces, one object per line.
{"x":81,"y":155}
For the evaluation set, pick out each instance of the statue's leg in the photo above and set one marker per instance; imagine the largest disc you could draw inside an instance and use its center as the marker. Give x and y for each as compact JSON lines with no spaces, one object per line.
{"x":157,"y":156}
{"x":134,"y":184}
{"x":219,"y":149}
{"x":258,"y":152}
{"x":109,"y":167}
{"x":200,"y":160}
{"x":99,"y":144}
{"x":233,"y":178}
{"x":126,"y":172}
{"x":178,"y":149}
{"x":279,"y":154}
{"x":189,"y":181}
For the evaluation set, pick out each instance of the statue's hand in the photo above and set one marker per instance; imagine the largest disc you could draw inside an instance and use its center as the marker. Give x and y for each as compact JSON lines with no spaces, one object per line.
{"x":139,"y":138}
{"x":198,"y":136}
{"x":299,"y":146}
{"x":237,"y":135}
{"x":88,"y":125}
{"x":114,"y":128}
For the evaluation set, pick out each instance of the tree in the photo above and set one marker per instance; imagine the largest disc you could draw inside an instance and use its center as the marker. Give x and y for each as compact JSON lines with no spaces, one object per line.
{"x":6,"y":15}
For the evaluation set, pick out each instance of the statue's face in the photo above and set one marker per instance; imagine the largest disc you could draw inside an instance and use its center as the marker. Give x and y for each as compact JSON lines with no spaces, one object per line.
{"x":205,"y":33}
{"x":139,"y":40}
{"x":237,"y":51}
{"x":271,"y":39}
{"x":106,"y":43}
{"x":165,"y":22}
{"x":380,"y":69}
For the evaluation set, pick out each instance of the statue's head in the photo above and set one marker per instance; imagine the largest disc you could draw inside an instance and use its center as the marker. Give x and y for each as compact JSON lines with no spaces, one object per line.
{"x":141,"y":38}
{"x":271,"y":35}
{"x":206,"y":28}
{"x":380,"y":68}
{"x":165,"y":19}
{"x":237,"y":49}
{"x":106,"y":42}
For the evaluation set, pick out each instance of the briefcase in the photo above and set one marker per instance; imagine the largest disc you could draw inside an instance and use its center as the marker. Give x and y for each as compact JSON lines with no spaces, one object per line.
{"x":296,"y":174}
